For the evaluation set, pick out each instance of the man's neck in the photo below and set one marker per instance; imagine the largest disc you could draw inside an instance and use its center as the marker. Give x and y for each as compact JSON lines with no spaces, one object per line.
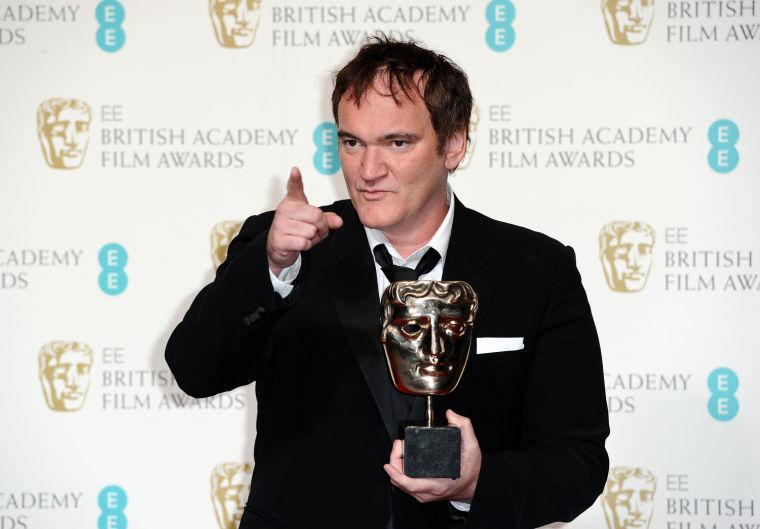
{"x":408,"y":241}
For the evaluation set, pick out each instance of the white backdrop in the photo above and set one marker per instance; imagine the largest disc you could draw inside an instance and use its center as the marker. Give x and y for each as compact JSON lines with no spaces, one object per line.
{"x":131,"y":129}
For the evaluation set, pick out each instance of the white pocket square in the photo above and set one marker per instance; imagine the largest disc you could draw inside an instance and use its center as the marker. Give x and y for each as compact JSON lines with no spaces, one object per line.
{"x":494,"y":345}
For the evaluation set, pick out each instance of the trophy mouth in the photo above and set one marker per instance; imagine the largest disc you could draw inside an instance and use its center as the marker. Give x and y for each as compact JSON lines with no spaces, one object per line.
{"x":438,"y":369}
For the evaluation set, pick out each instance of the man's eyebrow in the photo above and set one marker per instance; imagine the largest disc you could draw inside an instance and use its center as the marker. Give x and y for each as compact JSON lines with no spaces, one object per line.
{"x":406,"y":136}
{"x":345,"y":134}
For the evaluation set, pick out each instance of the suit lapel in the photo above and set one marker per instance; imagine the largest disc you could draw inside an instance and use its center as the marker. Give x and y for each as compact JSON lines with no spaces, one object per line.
{"x":352,"y":283}
{"x":467,"y":253}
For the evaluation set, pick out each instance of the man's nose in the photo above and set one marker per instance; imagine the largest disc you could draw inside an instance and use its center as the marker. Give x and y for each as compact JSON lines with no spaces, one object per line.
{"x":373,"y":165}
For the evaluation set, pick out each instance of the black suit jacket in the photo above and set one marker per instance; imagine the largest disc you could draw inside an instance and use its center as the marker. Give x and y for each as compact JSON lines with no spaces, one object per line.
{"x":324,"y":429}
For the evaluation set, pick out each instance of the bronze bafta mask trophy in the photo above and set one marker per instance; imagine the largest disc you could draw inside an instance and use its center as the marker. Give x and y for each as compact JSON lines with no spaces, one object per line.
{"x":426,"y":335}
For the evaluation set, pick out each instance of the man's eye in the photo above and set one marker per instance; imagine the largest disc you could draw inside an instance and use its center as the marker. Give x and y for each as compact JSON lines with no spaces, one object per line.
{"x":350,"y":142}
{"x":400,"y":143}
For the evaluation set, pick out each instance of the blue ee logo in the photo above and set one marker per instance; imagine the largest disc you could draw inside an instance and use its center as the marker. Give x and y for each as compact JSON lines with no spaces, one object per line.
{"x":723,"y":404}
{"x":112,"y":500}
{"x":112,"y":279}
{"x":723,"y":156}
{"x":110,"y":17}
{"x":500,"y":35}
{"x":326,"y":159}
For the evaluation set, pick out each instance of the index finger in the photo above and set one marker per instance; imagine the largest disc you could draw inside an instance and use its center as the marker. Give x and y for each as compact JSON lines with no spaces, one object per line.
{"x":295,"y":187}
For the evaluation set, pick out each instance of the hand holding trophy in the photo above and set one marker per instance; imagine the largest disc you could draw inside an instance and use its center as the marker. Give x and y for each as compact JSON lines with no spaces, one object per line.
{"x":426,"y":334}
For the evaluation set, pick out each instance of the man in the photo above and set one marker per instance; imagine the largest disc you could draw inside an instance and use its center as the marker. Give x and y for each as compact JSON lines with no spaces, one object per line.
{"x":296,"y":308}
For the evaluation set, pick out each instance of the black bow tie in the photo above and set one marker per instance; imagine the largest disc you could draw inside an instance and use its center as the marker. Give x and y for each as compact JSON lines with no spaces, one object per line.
{"x":402,"y":273}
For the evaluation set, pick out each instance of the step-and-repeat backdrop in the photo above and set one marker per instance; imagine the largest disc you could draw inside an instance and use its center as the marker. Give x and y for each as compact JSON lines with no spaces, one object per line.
{"x":136,"y":136}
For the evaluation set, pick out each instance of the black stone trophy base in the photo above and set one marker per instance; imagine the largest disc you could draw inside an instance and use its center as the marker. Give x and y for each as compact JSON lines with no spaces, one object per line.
{"x":431,"y":451}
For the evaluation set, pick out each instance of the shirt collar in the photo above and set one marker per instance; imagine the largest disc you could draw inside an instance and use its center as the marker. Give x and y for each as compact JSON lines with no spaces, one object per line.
{"x":439,"y":240}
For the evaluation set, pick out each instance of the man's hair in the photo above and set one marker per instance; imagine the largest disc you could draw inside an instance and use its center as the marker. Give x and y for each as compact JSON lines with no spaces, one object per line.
{"x":412,"y":71}
{"x":615,"y":229}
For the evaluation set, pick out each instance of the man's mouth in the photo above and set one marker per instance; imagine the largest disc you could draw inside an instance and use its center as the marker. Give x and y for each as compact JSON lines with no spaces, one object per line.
{"x":373,"y":194}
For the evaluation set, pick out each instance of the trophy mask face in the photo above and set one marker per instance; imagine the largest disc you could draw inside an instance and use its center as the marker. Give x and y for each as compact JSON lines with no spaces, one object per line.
{"x":427,"y":331}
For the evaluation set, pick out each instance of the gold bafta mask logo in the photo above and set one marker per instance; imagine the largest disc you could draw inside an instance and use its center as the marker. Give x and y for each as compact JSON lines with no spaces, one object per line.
{"x":230,"y":486}
{"x":628,"y":21}
{"x":65,"y":374}
{"x":221,"y":235}
{"x":628,"y":498}
{"x":63,"y":126}
{"x":625,"y":248}
{"x":235,"y":21}
{"x":472,"y":131}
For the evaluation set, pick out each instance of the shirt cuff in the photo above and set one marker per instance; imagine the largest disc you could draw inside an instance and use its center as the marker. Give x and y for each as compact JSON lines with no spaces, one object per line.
{"x":283,"y":283}
{"x":461,"y":505}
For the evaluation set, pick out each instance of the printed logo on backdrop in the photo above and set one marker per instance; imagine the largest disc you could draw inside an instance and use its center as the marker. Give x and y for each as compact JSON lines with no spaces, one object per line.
{"x":124,"y":142}
{"x":112,"y":501}
{"x":628,"y":21}
{"x":723,"y":384}
{"x":230,"y":487}
{"x":299,"y":25}
{"x":119,"y":384}
{"x":609,"y":146}
{"x":64,"y":371}
{"x":500,"y":15}
{"x":628,"y":498}
{"x":625,"y":248}
{"x":723,"y":136}
{"x":17,"y":18}
{"x":631,"y":392}
{"x":221,"y":236}
{"x":703,"y":508}
{"x":472,"y":131}
{"x":63,"y":128}
{"x":235,"y":22}
{"x":22,"y":509}
{"x":696,"y":22}
{"x":110,"y":16}
{"x":112,"y":278}
{"x":20,"y":268}
{"x":326,"y":157}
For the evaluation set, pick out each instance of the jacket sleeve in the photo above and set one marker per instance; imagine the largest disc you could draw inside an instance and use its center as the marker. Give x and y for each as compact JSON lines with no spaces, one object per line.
{"x":221,"y":343}
{"x":562,"y":464}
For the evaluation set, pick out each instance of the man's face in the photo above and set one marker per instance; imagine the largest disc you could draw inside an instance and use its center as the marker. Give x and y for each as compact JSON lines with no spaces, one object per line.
{"x":68,"y":379}
{"x":67,"y":138}
{"x":627,"y":261}
{"x":630,"y":503}
{"x":230,"y":499}
{"x":628,"y":21}
{"x":427,"y":343}
{"x":236,"y":21}
{"x":395,"y":177}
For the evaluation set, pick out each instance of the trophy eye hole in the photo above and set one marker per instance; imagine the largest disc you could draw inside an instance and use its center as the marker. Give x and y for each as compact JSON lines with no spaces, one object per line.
{"x":411,"y":329}
{"x":455,"y":328}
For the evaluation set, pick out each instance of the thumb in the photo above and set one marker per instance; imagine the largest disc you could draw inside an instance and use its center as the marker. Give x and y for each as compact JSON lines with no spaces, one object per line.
{"x":333,"y":220}
{"x":463,"y":423}
{"x":295,"y":187}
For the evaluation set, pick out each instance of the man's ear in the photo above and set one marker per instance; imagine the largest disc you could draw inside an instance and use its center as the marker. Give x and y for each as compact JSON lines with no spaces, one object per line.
{"x":455,"y":149}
